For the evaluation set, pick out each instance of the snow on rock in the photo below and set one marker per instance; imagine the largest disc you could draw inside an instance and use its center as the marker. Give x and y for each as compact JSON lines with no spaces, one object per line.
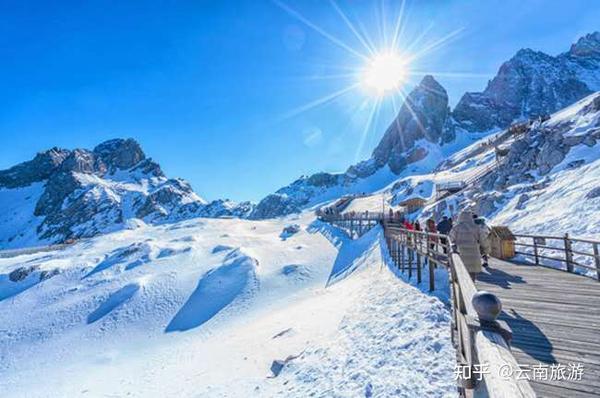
{"x":532,"y":84}
{"x":63,"y":194}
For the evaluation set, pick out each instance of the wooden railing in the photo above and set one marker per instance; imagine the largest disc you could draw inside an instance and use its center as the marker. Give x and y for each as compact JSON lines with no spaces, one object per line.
{"x":570,"y":254}
{"x":482,"y":343}
{"x":355,"y":225}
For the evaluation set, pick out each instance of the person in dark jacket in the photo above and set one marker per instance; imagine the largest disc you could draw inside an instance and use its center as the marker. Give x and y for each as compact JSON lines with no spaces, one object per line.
{"x":444,"y":227}
{"x":417,"y":225}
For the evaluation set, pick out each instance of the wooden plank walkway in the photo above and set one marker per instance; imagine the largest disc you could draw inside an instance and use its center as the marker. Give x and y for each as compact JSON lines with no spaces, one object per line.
{"x":555,"y":318}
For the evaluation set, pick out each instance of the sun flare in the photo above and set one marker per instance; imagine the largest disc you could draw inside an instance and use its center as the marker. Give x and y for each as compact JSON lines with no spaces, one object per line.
{"x":384,"y":73}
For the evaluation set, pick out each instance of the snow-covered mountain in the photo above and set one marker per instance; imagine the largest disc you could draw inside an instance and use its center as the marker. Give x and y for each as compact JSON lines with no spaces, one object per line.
{"x":532,"y":84}
{"x":426,"y":131}
{"x":64,"y":194}
{"x":544,"y":177}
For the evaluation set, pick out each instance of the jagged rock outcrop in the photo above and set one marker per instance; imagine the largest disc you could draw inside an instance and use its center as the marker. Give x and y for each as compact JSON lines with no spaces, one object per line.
{"x":535,"y":157}
{"x":38,"y":169}
{"x":422,"y":116}
{"x":83,"y":193}
{"x":530,"y":84}
{"x":533,"y":84}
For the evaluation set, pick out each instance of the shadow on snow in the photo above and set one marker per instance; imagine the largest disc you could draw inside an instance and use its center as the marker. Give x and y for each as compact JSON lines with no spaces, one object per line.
{"x":216,"y":289}
{"x":349,"y":250}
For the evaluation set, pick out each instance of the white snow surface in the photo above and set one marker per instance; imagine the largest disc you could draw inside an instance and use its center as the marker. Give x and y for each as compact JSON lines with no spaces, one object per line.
{"x":202,"y":308}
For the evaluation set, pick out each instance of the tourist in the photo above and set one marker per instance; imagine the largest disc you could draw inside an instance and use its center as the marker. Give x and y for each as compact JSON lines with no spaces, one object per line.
{"x":485,"y":244}
{"x":431,"y":228}
{"x":465,"y":238}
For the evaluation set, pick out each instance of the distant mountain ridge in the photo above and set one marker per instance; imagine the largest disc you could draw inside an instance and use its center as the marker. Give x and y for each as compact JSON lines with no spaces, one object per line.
{"x":64,"y":194}
{"x":529,"y":85}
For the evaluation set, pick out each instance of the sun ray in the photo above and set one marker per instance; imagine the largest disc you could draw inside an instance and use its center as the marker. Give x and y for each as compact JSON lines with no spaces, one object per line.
{"x":399,"y":26}
{"x":365,"y":33}
{"x":319,"y":30}
{"x":383,"y":24}
{"x":349,"y":24}
{"x":333,"y":76}
{"x":414,"y":43}
{"x":409,"y":106}
{"x":320,"y":101}
{"x":365,"y":132}
{"x":435,"y":45}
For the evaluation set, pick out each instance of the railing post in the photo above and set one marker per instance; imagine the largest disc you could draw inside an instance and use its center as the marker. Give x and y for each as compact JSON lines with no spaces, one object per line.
{"x":597,"y":260}
{"x":429,"y":262}
{"x":418,"y":267}
{"x":402,"y":253}
{"x":568,"y":253}
{"x":535,"y":251}
{"x":410,"y":260}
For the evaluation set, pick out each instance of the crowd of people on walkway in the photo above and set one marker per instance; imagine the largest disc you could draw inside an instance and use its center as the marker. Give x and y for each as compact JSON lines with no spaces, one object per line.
{"x":470,"y":237}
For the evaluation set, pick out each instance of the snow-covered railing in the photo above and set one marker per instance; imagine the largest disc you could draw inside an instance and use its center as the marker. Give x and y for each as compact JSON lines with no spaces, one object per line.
{"x":31,"y":250}
{"x":563,"y":252}
{"x":480,"y":340}
{"x":355,"y":225}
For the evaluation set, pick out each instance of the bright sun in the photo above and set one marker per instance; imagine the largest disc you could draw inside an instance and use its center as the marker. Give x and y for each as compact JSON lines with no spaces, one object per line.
{"x":384,"y":73}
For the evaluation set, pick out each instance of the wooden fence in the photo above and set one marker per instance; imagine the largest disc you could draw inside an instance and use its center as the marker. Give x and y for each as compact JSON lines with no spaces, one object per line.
{"x":355,"y":225}
{"x":480,"y":340}
{"x":563,"y":252}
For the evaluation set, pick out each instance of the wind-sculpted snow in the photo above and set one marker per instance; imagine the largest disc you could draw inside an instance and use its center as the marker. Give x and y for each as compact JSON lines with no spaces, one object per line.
{"x":196,"y":321}
{"x":233,"y":281}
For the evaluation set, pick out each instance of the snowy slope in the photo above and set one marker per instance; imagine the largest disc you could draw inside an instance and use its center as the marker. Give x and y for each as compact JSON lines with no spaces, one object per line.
{"x":547,"y":183}
{"x":203,"y":307}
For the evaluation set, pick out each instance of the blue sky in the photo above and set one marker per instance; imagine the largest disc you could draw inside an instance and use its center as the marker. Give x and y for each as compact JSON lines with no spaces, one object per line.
{"x":214,"y":90}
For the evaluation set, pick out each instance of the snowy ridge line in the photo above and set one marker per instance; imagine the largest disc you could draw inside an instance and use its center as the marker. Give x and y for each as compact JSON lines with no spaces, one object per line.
{"x":32,"y":250}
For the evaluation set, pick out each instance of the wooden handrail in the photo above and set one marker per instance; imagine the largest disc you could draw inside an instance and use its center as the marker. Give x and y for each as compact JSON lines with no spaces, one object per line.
{"x":569,"y":256}
{"x":479,"y":339}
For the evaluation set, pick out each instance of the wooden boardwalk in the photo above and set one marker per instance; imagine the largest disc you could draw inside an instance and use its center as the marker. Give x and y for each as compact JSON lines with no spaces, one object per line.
{"x":555,"y":318}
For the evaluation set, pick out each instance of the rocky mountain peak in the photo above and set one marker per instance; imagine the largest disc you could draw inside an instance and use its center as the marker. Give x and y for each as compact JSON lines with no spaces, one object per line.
{"x":120,"y":153}
{"x":422,"y":116}
{"x":588,"y":45}
{"x":532,"y":84}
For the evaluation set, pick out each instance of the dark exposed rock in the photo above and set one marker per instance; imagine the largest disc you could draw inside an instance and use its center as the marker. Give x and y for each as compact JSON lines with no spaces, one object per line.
{"x":322,"y":179}
{"x":58,"y":187}
{"x":532,"y":84}
{"x":594,"y":193}
{"x":120,"y":153}
{"x":21,"y":273}
{"x":274,"y":205}
{"x":47,"y":274}
{"x":82,"y":161}
{"x":289,"y":230}
{"x":422,"y":116}
{"x":36,"y":170}
{"x":83,"y":195}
